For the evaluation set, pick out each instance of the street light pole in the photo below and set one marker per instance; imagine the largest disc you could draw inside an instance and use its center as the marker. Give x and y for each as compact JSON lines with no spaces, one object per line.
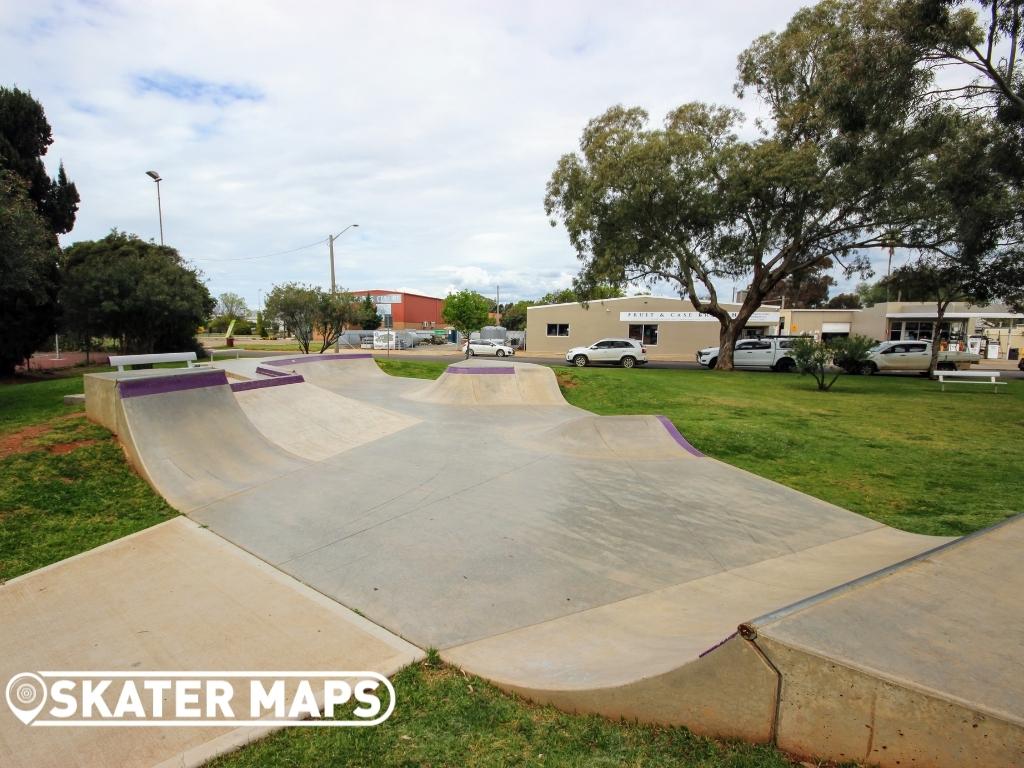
{"x":159,"y":206}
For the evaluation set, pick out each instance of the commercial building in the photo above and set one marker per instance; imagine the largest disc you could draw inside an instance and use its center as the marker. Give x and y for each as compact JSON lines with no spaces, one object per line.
{"x":992,"y":331}
{"x":670,"y":328}
{"x":408,"y":311}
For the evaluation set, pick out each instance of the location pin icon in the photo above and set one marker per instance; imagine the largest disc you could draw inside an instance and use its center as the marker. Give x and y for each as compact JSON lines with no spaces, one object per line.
{"x":26,"y":695}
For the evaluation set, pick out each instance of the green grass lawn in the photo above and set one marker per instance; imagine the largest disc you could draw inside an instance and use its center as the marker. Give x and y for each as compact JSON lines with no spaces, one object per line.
{"x":893,"y":448}
{"x":444,"y":718}
{"x":65,"y":486}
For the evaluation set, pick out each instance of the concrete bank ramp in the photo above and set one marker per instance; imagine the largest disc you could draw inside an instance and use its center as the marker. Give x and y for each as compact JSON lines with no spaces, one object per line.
{"x":312,"y":422}
{"x":479,"y":382}
{"x":615,"y":437}
{"x":916,"y":664}
{"x":184,"y":432}
{"x":333,"y":372}
{"x":172,"y":597}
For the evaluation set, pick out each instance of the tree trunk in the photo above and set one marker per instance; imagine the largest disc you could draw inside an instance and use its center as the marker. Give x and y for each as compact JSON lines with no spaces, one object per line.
{"x":731,"y":330}
{"x":937,"y":337}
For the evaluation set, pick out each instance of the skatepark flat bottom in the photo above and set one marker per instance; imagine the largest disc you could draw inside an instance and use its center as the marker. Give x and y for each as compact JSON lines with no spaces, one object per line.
{"x":602,"y":564}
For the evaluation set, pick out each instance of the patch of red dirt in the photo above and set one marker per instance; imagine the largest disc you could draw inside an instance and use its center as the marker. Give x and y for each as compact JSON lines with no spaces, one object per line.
{"x":15,"y":442}
{"x":62,"y":448}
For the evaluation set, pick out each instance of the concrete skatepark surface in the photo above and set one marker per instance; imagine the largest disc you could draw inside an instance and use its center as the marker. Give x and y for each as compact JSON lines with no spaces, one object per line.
{"x":598,"y":563}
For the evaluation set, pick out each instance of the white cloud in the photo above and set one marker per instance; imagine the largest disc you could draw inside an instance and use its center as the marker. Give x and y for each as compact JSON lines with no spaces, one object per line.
{"x":435,"y":126}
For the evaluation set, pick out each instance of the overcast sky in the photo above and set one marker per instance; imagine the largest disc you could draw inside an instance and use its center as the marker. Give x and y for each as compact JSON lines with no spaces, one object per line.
{"x":434,"y":126}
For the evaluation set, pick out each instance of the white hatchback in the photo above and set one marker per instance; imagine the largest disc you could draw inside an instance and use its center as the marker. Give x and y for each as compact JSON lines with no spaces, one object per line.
{"x":489,"y":347}
{"x":624,"y":352}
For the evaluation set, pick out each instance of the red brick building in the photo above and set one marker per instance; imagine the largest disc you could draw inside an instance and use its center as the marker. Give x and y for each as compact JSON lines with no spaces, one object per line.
{"x":411,"y":311}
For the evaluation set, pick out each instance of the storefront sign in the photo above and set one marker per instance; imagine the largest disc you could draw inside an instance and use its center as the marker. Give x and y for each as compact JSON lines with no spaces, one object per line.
{"x":387,"y":298}
{"x":690,"y":317}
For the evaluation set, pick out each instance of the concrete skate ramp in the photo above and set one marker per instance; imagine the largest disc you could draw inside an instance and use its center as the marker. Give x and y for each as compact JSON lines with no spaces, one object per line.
{"x":478,"y":382}
{"x":311,"y":422}
{"x":187,"y":436}
{"x":172,"y":597}
{"x":916,"y":664}
{"x":928,"y":654}
{"x":616,"y":437}
{"x":332,"y":372}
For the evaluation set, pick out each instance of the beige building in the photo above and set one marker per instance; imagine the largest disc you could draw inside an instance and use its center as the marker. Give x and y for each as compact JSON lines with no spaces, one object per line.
{"x":993,"y":331}
{"x":669,"y":327}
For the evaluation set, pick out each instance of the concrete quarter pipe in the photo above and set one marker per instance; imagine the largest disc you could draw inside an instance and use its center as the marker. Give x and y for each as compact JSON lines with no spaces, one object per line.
{"x":603,"y":564}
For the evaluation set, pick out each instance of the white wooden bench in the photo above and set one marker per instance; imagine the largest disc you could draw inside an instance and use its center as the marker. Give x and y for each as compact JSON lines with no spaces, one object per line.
{"x":969,"y":377}
{"x":226,"y":351}
{"x":121,"y":361}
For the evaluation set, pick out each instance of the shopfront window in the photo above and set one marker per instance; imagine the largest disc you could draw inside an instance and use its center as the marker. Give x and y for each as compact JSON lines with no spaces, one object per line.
{"x":914,"y":330}
{"x":645,"y":334}
{"x":558,"y":329}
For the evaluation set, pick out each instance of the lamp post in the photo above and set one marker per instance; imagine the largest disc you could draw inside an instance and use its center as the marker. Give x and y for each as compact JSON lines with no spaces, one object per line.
{"x":159,"y":206}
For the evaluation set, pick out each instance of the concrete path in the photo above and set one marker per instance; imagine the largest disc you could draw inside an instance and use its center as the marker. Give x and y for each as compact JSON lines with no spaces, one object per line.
{"x":172,"y":597}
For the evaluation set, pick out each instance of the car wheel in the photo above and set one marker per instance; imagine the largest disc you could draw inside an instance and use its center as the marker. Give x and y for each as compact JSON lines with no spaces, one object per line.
{"x":472,"y":353}
{"x":500,"y":353}
{"x":580,"y":361}
{"x":785,"y":365}
{"x":628,"y":362}
{"x":869,"y":369}
{"x":712,"y":362}
{"x":946,"y":366}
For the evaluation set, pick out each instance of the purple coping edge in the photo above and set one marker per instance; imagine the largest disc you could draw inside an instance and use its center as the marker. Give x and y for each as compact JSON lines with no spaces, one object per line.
{"x":717,"y":645}
{"x":671,"y":429}
{"x":281,"y":380}
{"x":271,"y":372}
{"x":161,"y":385}
{"x":475,"y":371}
{"x":316,"y":359}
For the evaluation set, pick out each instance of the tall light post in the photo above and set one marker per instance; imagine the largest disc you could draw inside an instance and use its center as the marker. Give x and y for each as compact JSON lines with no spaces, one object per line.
{"x":330,"y":241}
{"x":159,"y":206}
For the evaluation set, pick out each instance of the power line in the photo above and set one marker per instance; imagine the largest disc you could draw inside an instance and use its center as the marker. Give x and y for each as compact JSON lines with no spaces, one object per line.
{"x":266,"y":255}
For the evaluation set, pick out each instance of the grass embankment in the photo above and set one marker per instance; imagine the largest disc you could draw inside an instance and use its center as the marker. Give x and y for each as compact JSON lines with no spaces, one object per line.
{"x":892,"y":448}
{"x":65,"y":486}
{"x":444,"y":718}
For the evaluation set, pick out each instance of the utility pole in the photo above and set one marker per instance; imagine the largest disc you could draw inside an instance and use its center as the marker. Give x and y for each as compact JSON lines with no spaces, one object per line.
{"x":888,"y":272}
{"x":334,"y":285}
{"x":497,"y":307}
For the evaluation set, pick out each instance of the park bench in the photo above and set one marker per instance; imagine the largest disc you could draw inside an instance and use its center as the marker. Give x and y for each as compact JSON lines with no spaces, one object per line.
{"x":969,"y":377}
{"x":123,"y":361}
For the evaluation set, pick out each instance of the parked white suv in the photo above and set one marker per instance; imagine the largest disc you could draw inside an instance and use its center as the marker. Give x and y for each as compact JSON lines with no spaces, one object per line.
{"x":489,"y":347}
{"x":774,"y":352}
{"x":624,"y":352}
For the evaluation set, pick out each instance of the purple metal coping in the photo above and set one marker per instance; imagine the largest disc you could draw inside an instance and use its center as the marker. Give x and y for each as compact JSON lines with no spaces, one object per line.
{"x":316,"y":359}
{"x":271,"y":372}
{"x":474,"y":371}
{"x":242,"y":386}
{"x":666,"y":422}
{"x":161,"y":385}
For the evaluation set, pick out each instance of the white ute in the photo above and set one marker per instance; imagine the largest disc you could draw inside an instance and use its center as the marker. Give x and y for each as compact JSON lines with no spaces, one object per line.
{"x":774,"y":352}
{"x":915,"y":356}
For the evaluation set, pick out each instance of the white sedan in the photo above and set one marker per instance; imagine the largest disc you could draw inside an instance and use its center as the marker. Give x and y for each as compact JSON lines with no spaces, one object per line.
{"x":488,"y":347}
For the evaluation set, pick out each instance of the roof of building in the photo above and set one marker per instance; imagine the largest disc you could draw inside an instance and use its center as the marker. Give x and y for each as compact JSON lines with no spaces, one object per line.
{"x":633,"y":298}
{"x":386,"y":291}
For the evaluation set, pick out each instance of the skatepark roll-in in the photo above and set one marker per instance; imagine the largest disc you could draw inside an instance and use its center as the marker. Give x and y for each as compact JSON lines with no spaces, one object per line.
{"x":602,"y":564}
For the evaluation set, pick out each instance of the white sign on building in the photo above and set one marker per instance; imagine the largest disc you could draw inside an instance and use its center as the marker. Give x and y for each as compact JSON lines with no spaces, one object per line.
{"x":690,"y":317}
